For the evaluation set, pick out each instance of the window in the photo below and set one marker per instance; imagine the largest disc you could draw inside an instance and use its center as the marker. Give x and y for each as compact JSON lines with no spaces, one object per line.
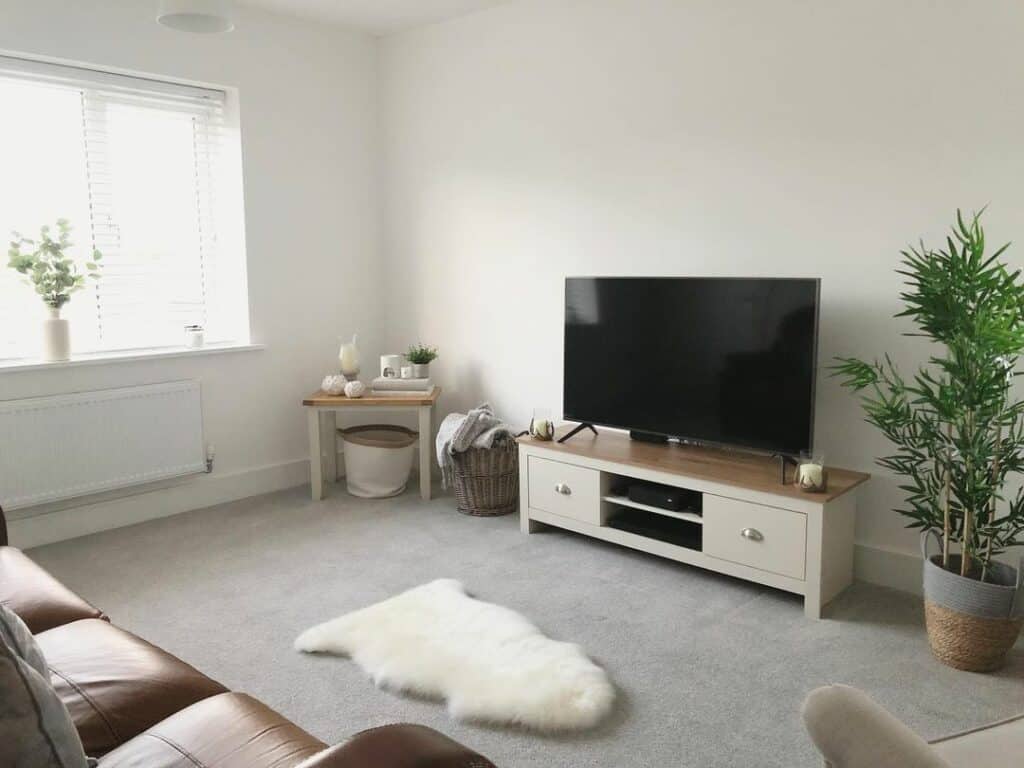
{"x":141,"y":170}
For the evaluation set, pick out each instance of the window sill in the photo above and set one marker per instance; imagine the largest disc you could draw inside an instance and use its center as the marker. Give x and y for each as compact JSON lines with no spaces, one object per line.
{"x":125,"y":356}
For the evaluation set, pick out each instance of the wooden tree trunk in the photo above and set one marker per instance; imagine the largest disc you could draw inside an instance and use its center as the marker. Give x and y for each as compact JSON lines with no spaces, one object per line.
{"x":945,"y":505}
{"x":965,"y":544}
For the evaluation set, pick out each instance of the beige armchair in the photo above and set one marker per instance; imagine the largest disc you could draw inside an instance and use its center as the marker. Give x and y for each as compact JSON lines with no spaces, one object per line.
{"x":852,"y":731}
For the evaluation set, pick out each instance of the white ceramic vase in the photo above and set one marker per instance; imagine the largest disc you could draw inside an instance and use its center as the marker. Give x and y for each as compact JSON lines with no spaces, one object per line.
{"x":420,"y":370}
{"x":56,"y":338}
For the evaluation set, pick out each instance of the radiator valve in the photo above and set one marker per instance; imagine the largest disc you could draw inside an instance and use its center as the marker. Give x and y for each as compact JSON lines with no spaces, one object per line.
{"x":210,"y":453}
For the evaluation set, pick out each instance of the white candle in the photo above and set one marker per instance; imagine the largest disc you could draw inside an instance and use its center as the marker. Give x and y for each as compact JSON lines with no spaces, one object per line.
{"x":810,"y":475}
{"x":542,"y":429}
{"x":348,"y":359}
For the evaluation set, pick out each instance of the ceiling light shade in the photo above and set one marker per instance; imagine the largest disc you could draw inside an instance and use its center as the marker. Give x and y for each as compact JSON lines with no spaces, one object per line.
{"x":199,"y":16}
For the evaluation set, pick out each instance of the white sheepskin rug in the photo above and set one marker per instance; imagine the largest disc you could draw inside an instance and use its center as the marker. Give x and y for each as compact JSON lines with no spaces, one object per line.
{"x":490,"y":663}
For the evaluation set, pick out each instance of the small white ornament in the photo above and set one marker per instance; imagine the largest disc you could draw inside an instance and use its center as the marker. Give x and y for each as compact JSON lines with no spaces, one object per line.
{"x":333,"y":385}
{"x":355,"y":389}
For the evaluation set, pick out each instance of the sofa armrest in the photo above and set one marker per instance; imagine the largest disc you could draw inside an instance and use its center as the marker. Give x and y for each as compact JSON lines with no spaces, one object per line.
{"x":398,"y":746}
{"x":852,"y":731}
{"x":38,"y":598}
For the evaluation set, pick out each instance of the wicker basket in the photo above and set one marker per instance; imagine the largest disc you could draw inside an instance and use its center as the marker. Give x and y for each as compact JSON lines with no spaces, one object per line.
{"x":486,"y":480}
{"x":968,"y":642}
{"x":972,"y":625}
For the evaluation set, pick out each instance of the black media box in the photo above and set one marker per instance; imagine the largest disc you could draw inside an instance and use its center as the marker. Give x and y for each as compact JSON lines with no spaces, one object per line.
{"x":664,"y":496}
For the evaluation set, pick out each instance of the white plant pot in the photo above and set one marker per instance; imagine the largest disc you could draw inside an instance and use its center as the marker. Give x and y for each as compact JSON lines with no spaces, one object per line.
{"x":56,"y":338}
{"x":420,"y":370}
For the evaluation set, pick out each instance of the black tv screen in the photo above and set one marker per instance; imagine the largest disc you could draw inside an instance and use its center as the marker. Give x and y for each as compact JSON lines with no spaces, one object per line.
{"x":728,"y":361}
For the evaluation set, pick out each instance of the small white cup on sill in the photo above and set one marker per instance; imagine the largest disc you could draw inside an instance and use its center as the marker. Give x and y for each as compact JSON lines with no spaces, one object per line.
{"x":407,"y":372}
{"x":193,"y":336}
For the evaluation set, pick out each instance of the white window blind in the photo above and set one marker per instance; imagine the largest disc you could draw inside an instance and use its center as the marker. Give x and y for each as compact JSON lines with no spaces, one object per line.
{"x":136,"y":166}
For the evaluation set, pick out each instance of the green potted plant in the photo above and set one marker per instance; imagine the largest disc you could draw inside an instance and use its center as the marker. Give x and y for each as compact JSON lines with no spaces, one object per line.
{"x":420,"y":357}
{"x":958,"y":436}
{"x":55,"y":276}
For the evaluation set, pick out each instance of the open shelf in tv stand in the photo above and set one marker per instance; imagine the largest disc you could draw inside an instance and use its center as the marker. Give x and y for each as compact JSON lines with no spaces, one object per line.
{"x":750,"y":526}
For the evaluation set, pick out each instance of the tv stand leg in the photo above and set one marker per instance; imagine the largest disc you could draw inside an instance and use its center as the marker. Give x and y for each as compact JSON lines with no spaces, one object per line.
{"x":526,"y":525}
{"x":576,"y":430}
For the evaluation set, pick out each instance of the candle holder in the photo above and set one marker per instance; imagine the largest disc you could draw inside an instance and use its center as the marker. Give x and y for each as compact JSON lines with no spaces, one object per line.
{"x":348,"y":359}
{"x":541,"y":426}
{"x":810,"y":475}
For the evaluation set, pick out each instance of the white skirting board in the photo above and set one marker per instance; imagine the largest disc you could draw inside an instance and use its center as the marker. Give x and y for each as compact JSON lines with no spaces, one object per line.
{"x":888,"y":568}
{"x":48,"y":524}
{"x":68,"y":446}
{"x":35,"y":530}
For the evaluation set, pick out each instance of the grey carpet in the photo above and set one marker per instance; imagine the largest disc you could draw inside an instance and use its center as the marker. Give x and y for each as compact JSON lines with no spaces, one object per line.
{"x":710,"y":670}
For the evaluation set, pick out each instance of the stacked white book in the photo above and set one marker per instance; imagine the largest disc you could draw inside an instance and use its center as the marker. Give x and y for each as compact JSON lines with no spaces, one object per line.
{"x":394,"y":384}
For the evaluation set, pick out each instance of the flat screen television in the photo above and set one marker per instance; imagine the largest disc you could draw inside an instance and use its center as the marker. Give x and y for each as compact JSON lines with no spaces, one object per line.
{"x":724,"y":361}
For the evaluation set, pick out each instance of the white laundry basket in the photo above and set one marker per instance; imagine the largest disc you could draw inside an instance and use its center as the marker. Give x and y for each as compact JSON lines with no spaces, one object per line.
{"x":378,"y":459}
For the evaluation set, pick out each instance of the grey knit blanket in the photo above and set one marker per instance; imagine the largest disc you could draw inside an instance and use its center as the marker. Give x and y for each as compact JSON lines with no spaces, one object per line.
{"x":459,"y":432}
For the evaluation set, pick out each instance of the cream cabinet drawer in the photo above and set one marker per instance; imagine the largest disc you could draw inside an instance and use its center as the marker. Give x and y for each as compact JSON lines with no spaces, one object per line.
{"x":767,"y":538}
{"x":563,"y":489}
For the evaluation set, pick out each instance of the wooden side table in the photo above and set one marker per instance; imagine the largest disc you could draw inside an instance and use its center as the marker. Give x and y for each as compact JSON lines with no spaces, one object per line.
{"x":322,"y":412}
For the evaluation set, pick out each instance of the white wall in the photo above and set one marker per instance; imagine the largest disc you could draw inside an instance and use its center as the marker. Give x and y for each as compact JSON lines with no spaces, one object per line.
{"x":551,"y":137}
{"x":309,"y":149}
{"x":547,"y":138}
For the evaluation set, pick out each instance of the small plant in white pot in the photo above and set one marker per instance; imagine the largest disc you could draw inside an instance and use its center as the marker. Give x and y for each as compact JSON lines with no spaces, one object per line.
{"x":420,"y":357}
{"x":55,"y":276}
{"x":958,"y":433}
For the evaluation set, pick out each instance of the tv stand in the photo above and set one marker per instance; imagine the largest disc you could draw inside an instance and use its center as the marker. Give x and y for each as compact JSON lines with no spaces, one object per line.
{"x":576,"y":430}
{"x":742,"y":522}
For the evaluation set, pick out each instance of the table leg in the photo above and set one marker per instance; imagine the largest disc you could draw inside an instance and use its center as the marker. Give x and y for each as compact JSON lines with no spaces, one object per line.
{"x":331,"y":444}
{"x":426,"y":442}
{"x":316,"y":467}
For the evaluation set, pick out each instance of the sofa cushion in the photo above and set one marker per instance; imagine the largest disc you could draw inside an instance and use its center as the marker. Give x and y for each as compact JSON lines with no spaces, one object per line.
{"x":35,"y":728}
{"x":1000,"y":745}
{"x":231,"y":730}
{"x":40,"y":600}
{"x":116,"y":685}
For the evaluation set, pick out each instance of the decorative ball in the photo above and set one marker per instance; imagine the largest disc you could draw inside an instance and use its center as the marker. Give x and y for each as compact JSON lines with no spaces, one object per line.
{"x":333,"y":385}
{"x":355,"y":389}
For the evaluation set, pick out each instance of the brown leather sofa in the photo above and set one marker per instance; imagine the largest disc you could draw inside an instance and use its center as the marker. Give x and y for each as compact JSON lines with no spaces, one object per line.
{"x":137,"y":706}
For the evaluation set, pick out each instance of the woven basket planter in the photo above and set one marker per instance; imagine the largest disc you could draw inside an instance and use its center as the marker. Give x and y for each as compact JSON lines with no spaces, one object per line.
{"x":971,"y":624}
{"x":486,"y":480}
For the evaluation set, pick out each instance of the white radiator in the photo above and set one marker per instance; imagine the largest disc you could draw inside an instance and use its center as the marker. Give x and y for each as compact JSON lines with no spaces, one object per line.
{"x":59,"y":447}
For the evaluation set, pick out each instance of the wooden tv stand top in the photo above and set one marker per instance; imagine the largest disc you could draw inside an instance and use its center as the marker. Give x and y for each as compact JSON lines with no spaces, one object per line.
{"x":743,"y":470}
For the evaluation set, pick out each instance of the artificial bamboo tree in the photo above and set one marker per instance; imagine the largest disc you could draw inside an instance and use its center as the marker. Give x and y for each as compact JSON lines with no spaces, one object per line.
{"x":957,"y":427}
